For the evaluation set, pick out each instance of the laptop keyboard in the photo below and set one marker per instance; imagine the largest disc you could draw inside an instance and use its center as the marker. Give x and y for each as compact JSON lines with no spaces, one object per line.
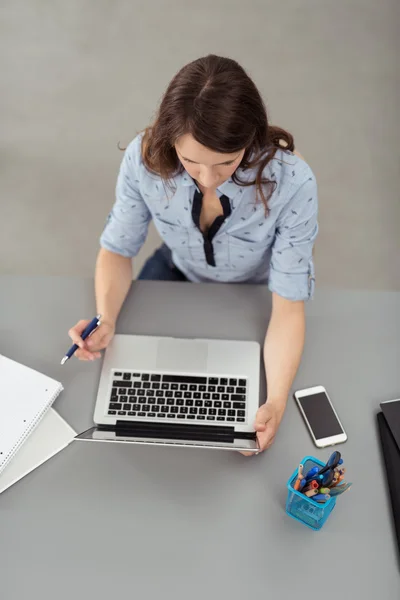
{"x":179,"y":397}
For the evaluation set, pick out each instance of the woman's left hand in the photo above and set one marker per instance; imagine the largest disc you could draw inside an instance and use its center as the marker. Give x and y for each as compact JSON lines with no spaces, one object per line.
{"x":267,"y":422}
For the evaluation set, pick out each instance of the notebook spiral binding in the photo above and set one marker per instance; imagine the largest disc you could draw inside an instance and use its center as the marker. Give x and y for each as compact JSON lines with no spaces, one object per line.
{"x":4,"y":460}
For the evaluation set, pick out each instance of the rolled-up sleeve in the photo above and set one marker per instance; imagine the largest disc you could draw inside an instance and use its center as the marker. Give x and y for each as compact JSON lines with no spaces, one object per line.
{"x":292,"y":273}
{"x":127,"y":224}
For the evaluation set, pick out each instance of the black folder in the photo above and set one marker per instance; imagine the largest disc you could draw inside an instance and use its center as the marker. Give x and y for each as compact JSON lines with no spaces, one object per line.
{"x":389,"y":430}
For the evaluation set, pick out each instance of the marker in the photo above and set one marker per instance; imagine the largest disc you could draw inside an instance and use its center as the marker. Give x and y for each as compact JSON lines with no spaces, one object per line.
{"x":312,"y":485}
{"x":311,"y":473}
{"x":311,"y":493}
{"x":89,"y":329}
{"x":324,"y":490}
{"x":317,"y":482}
{"x":302,"y":484}
{"x":339,"y":471}
{"x":337,"y":480}
{"x":321,"y":497}
{"x":299,"y":479}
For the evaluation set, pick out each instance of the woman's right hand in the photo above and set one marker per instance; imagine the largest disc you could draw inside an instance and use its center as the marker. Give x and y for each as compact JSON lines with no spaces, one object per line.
{"x":89,"y":349}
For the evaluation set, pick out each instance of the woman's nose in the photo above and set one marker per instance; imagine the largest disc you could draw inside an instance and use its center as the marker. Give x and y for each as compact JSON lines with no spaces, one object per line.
{"x":208,"y":178}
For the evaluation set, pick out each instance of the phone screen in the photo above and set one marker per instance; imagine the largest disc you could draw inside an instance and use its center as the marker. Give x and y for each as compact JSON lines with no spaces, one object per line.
{"x":320,"y":415}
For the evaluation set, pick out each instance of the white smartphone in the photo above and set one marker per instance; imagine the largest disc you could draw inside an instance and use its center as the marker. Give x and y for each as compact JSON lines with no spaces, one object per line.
{"x":320,"y":416}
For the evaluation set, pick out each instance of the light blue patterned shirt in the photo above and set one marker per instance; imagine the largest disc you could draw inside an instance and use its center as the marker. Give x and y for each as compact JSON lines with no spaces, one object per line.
{"x":248,"y":247}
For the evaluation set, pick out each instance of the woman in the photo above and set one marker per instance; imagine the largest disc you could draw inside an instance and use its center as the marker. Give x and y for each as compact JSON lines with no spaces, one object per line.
{"x":232,"y":203}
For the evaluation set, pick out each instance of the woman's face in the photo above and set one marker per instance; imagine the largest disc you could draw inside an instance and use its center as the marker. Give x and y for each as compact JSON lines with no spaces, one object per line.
{"x":210,"y":169}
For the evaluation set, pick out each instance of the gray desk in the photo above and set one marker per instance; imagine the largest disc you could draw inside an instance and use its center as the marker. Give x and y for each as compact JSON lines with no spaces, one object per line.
{"x":106,"y":521}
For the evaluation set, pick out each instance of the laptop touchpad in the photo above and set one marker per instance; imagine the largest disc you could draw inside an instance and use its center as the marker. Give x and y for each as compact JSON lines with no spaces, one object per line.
{"x":182,"y":356}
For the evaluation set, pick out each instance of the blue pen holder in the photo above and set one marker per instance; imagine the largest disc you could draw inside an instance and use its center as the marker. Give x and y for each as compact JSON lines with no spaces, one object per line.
{"x":304,"y":509}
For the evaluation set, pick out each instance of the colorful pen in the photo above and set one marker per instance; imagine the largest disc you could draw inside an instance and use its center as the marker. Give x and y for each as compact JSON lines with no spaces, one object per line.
{"x":89,"y":329}
{"x":311,"y":493}
{"x":321,"y":497}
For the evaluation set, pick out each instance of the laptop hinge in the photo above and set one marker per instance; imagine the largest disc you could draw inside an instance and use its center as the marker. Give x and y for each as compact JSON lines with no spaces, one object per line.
{"x":207,"y":433}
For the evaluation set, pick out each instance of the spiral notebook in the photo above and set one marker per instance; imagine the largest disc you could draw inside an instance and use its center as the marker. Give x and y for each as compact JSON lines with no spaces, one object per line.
{"x":25,"y":397}
{"x":51,"y":436}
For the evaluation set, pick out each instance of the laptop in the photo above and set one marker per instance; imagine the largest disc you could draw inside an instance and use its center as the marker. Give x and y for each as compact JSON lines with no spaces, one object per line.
{"x":178,"y":392}
{"x":389,"y":431}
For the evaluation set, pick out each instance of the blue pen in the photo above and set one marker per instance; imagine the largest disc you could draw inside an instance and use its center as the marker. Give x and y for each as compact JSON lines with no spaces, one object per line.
{"x":89,"y":329}
{"x":311,"y":473}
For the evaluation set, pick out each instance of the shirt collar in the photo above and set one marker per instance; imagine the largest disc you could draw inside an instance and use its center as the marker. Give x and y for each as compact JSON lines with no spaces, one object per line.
{"x":228,"y":188}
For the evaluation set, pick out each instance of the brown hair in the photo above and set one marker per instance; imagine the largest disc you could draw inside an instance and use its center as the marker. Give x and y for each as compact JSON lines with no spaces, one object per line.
{"x":214,"y":100}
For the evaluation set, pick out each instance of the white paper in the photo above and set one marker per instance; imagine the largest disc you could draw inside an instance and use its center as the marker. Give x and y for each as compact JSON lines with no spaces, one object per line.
{"x":25,"y":396}
{"x":50,"y":436}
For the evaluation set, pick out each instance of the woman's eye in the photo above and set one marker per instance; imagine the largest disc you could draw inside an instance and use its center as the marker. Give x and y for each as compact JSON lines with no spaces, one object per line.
{"x":227,"y":164}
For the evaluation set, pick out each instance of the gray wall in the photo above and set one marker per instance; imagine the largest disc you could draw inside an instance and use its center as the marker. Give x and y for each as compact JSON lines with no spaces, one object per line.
{"x":78,"y":76}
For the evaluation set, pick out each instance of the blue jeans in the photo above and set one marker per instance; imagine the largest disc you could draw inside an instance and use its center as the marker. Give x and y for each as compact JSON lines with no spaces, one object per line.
{"x":160,"y":267}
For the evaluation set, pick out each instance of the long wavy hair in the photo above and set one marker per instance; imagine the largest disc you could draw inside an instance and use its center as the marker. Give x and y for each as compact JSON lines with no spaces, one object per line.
{"x":214,"y":100}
